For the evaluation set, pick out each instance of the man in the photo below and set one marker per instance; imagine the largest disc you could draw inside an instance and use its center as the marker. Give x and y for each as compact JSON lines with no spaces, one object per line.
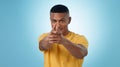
{"x":61,"y":47}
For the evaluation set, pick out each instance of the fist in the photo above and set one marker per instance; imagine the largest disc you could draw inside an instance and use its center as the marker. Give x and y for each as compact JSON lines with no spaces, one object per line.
{"x":55,"y":35}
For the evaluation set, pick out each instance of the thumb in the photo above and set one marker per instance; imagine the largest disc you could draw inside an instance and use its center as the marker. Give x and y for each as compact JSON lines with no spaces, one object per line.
{"x":54,"y":28}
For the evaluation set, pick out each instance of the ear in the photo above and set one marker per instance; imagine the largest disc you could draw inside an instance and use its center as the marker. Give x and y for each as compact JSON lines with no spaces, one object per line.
{"x":69,"y":20}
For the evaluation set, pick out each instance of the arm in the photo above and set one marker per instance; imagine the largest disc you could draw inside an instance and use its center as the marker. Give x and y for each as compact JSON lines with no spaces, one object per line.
{"x":43,"y":44}
{"x":77,"y":51}
{"x":46,"y":42}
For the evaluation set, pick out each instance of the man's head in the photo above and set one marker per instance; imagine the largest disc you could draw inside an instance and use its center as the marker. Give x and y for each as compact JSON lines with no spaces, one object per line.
{"x":59,"y":16}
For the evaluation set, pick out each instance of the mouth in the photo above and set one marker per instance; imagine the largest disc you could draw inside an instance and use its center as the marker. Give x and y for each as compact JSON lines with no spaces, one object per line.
{"x":60,"y":28}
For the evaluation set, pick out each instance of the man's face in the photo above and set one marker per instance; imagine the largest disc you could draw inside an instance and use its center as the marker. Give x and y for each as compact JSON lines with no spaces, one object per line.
{"x":61,"y":21}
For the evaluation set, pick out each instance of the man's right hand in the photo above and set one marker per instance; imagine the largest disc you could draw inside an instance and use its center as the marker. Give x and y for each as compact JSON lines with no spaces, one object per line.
{"x":53,"y":37}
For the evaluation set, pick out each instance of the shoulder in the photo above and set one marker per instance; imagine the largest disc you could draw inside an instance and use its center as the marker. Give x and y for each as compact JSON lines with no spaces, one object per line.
{"x":80,"y":39}
{"x":42,"y":36}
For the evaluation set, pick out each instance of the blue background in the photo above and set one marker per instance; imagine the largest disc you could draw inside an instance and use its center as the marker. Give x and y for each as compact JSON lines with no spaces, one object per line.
{"x":23,"y":21}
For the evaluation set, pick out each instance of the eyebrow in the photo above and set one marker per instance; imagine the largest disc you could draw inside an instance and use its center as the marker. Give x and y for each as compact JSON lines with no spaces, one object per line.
{"x":62,"y":19}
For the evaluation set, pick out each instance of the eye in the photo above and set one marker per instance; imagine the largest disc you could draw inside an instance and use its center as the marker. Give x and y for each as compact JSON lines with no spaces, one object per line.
{"x":62,"y":21}
{"x":53,"y":21}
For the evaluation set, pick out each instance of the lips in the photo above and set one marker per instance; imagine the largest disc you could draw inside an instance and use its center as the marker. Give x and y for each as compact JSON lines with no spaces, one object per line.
{"x":60,"y":29}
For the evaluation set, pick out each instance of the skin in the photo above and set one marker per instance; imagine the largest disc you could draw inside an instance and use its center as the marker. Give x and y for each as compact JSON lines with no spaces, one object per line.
{"x":59,"y":24}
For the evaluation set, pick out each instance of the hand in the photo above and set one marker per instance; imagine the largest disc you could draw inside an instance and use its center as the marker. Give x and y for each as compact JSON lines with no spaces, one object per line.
{"x":55,"y":36}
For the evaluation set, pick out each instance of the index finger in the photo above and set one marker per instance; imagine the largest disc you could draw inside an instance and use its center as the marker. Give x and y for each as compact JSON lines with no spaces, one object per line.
{"x":54,"y":28}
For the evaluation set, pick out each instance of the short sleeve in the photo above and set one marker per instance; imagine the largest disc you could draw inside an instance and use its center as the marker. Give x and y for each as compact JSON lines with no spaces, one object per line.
{"x":80,"y":39}
{"x":42,"y":36}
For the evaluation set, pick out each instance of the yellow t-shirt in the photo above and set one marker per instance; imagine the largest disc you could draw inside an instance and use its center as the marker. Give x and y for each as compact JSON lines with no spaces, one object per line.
{"x":59,"y":56}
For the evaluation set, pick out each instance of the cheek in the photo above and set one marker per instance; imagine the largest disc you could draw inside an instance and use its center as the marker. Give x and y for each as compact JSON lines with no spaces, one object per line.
{"x":64,"y":27}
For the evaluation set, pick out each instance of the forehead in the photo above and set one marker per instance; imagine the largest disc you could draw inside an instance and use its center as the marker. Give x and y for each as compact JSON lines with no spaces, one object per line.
{"x":58,"y":15}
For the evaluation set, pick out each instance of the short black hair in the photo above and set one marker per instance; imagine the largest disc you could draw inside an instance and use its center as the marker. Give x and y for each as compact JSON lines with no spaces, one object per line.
{"x":59,"y":9}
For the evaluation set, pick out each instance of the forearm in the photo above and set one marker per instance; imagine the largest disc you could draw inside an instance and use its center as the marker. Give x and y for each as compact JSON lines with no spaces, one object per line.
{"x":78,"y":51}
{"x":44,"y":45}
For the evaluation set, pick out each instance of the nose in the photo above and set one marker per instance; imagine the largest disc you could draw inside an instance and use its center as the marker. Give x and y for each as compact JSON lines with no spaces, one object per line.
{"x":58,"y":24}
